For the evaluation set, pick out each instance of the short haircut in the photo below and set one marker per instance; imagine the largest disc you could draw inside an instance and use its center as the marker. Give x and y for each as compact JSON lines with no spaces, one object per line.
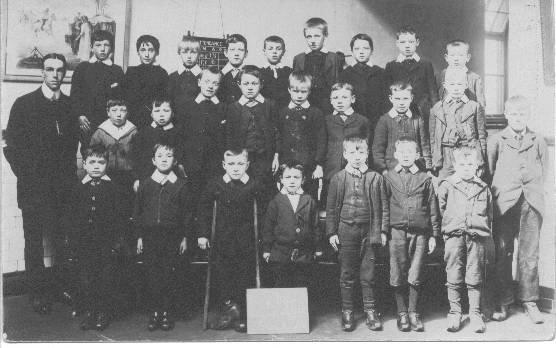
{"x":364,"y":37}
{"x":235,"y":38}
{"x":211,"y":70}
{"x":458,"y":43}
{"x":407,"y":29}
{"x":454,"y":73}
{"x":400,"y":86}
{"x":300,"y":77}
{"x":465,"y":151}
{"x":316,"y":22}
{"x":101,"y":35}
{"x":250,"y":70}
{"x":357,"y":140}
{"x":236,"y":152}
{"x":97,"y":150}
{"x":275,"y":39}
{"x":341,"y":85}
{"x":517,"y":100}
{"x":292,"y":164}
{"x":57,"y":56}
{"x":164,"y":145}
{"x":161,"y":99}
{"x":188,"y":43}
{"x":145,"y":39}
{"x":115,"y":102}
{"x":405,"y":139}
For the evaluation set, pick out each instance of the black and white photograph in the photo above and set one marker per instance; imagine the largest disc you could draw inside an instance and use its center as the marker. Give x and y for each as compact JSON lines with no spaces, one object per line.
{"x":277,"y":171}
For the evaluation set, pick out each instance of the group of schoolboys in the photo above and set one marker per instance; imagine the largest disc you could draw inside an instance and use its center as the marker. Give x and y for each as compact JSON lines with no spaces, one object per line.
{"x":315,"y":121}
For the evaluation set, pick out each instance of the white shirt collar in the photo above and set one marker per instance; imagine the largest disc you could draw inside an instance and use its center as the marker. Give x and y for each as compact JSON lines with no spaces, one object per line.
{"x":463,"y":98}
{"x":369,"y":63}
{"x":166,"y":127}
{"x":200,"y":98}
{"x":413,"y":169}
{"x":116,"y":132}
{"x":243,"y":100}
{"x":357,"y":172}
{"x":393,"y":113}
{"x":48,"y":93}
{"x":401,"y":57}
{"x":348,"y":112}
{"x":107,"y":61}
{"x":514,"y":133}
{"x":87,"y":178}
{"x":196,"y":70}
{"x":305,"y":105}
{"x":162,"y":179}
{"x":323,"y":50}
{"x":284,"y":191}
{"x":279,"y":65}
{"x":229,"y":67}
{"x":227,"y":178}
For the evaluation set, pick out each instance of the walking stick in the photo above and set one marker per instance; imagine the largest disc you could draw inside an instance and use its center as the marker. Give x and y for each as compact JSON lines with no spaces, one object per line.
{"x":207,"y":284}
{"x":257,"y":266}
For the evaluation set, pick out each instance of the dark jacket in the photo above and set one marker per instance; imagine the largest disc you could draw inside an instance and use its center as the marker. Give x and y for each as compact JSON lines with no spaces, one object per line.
{"x":229,"y":90}
{"x":142,"y":84}
{"x":517,"y":169}
{"x":332,"y":66}
{"x":119,"y":149}
{"x":336,"y":131}
{"x":41,"y":145}
{"x":376,"y":196}
{"x":285,"y":230}
{"x":92,"y":84}
{"x":412,"y":208}
{"x":302,"y":136}
{"x":276,"y":88}
{"x":182,"y":89}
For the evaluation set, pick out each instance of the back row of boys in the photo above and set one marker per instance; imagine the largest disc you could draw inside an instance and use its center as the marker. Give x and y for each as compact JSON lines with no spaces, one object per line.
{"x":249,"y":123}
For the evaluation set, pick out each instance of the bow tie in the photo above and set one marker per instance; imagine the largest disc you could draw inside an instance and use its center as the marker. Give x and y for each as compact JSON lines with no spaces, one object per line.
{"x":519,"y":137}
{"x":409,"y":61}
{"x":95,"y":182}
{"x":298,"y":108}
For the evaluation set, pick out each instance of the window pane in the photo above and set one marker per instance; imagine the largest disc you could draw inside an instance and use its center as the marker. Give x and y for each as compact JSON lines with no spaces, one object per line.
{"x":494,"y":56}
{"x":494,"y":94}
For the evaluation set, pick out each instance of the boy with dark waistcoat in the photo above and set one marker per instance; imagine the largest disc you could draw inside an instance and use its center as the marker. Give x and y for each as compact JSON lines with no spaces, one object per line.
{"x":236,"y":52}
{"x":275,"y":75}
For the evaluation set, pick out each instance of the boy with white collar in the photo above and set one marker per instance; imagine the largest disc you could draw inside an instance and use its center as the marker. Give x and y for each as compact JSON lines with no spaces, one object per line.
{"x":274,"y":73}
{"x":234,"y":243}
{"x":183,"y":85}
{"x":414,"y":70}
{"x":162,"y":217}
{"x":93,"y":83}
{"x":236,"y":52}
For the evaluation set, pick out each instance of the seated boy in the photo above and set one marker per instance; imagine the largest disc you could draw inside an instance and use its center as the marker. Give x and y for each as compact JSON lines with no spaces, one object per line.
{"x":236,"y":52}
{"x":323,"y":66}
{"x":234,"y":240}
{"x":93,"y":83}
{"x":400,"y":121}
{"x":183,"y":85}
{"x":341,"y":124}
{"x":144,"y":82}
{"x":356,"y":226}
{"x":414,"y":225}
{"x":457,"y":56}
{"x":302,"y":132}
{"x":274,"y":74}
{"x":367,"y":80}
{"x":414,"y":70}
{"x":94,"y":223}
{"x":291,"y":235}
{"x":518,"y":160}
{"x":465,"y":204}
{"x":250,"y":125}
{"x":456,"y":121}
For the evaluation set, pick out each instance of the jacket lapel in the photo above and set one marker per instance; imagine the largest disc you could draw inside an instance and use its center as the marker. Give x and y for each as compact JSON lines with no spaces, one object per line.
{"x":303,"y":201}
{"x":528,"y":141}
{"x":509,"y":138}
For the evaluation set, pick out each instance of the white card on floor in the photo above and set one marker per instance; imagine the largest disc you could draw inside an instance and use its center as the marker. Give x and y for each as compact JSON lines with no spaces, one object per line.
{"x":277,"y":311}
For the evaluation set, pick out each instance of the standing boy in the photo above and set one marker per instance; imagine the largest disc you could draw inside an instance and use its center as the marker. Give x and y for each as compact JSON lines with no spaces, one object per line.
{"x":323,"y":66}
{"x":302,"y":132}
{"x":144,"y":82}
{"x":518,"y":161}
{"x":399,"y":122}
{"x":357,"y":213}
{"x":236,"y":52}
{"x":414,"y":225}
{"x":414,"y":70}
{"x":456,"y":121}
{"x":457,"y":56}
{"x":93,"y":83}
{"x":234,"y":240}
{"x":465,"y":204}
{"x":274,"y":74}
{"x":183,"y":84}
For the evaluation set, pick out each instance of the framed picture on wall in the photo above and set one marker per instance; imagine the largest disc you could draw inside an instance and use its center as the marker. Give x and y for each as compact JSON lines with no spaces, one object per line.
{"x":33,"y":28}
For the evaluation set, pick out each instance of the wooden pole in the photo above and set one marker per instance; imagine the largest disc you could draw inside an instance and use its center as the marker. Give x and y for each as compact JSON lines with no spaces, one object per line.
{"x":207,"y":284}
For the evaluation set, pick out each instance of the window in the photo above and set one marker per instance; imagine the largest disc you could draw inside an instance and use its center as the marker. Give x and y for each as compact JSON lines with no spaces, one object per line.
{"x":496,"y":44}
